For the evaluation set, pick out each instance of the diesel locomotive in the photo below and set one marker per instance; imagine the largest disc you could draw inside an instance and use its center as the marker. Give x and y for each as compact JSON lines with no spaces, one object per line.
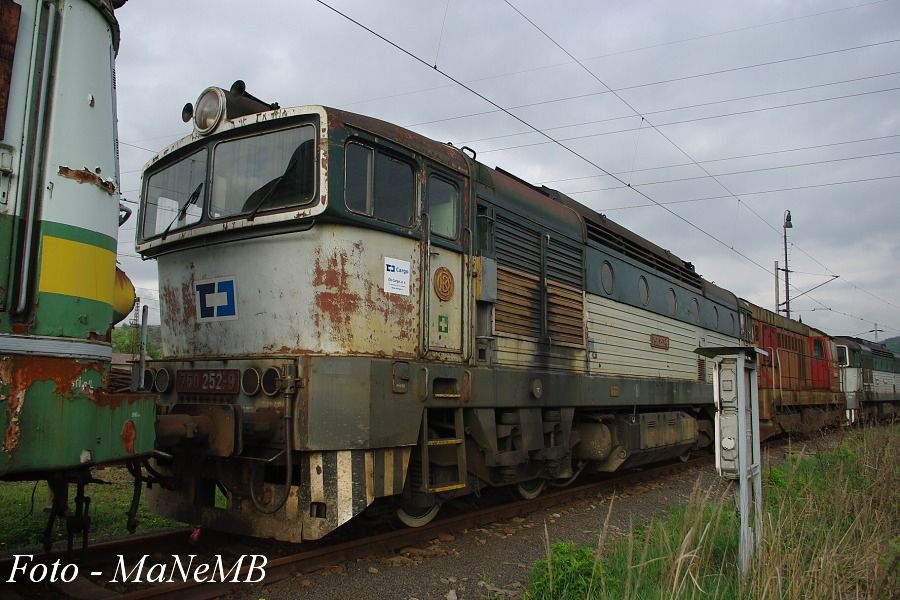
{"x":60,"y":289}
{"x":351,"y":311}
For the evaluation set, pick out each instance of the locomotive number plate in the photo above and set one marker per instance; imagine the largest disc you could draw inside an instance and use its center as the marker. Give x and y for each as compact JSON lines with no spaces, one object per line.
{"x":208,"y":381}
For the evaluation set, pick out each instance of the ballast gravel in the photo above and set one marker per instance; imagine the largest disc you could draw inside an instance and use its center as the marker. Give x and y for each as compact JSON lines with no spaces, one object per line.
{"x":494,"y":561}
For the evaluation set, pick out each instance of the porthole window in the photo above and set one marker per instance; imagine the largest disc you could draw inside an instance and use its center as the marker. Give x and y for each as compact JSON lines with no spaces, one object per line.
{"x":607,"y":277}
{"x":645,"y":290}
{"x":715,"y":317}
{"x":672,"y":301}
{"x":695,"y":311}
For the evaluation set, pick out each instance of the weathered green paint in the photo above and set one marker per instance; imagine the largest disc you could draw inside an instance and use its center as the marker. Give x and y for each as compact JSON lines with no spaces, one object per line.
{"x":63,"y":413}
{"x":67,"y":316}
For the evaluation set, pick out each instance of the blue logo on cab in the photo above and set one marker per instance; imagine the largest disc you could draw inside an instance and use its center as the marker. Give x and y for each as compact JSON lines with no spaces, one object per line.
{"x":216,"y":299}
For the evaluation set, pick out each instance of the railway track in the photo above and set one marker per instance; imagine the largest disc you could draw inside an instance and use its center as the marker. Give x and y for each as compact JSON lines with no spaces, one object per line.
{"x":331,"y":551}
{"x":324,"y":555}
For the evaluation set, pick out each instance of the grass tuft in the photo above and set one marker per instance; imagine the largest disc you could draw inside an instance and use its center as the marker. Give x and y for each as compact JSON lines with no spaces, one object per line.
{"x":23,"y":516}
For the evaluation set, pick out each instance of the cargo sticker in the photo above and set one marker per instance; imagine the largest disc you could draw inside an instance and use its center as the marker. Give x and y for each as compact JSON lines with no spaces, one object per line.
{"x":443,"y":324}
{"x":216,"y":299}
{"x":396,"y":276}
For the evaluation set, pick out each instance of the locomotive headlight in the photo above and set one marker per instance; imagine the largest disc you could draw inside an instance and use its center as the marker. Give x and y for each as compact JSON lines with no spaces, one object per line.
{"x":162,"y":381}
{"x":250,"y":381}
{"x":210,"y":108}
{"x":271,"y":381}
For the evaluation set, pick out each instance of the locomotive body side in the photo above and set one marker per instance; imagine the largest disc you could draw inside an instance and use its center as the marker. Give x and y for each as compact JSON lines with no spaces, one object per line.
{"x":403,"y":322}
{"x":799,"y":385}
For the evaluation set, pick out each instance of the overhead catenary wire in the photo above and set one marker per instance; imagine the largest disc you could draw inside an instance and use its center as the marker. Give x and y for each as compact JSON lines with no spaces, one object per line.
{"x":661,"y":82}
{"x":620,"y":89}
{"x":728,"y":158}
{"x":671,"y":109}
{"x":543,"y":134}
{"x":742,"y":29}
{"x":437,"y":52}
{"x":746,"y":171}
{"x":751,"y":193}
{"x":660,"y":132}
{"x":621,"y":52}
{"x":547,"y":136}
{"x":694,"y":120}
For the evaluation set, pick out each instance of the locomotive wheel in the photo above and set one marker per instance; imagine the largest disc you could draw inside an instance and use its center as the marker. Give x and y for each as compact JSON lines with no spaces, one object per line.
{"x":529,"y":490}
{"x":418,"y":517}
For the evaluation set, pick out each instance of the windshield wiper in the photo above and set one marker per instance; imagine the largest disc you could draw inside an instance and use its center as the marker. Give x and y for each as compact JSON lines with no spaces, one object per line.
{"x":265,"y":198}
{"x":192,"y":199}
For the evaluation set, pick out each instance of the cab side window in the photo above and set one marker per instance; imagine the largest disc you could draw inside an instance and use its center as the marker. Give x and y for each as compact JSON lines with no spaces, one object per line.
{"x":443,"y":207}
{"x":818,"y":349}
{"x":379,"y":185}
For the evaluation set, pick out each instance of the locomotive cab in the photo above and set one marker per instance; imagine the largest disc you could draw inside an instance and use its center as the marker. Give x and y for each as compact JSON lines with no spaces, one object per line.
{"x":301,"y":241}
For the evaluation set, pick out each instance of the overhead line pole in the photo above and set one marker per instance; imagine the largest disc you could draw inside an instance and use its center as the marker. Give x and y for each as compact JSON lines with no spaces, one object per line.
{"x":787,"y":272}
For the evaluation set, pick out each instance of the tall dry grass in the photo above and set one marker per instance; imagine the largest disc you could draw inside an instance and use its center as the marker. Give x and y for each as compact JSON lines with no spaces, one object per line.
{"x":831,"y":529}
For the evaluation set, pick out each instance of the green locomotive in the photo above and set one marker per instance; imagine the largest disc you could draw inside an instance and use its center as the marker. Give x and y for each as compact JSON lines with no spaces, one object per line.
{"x":60,"y":290}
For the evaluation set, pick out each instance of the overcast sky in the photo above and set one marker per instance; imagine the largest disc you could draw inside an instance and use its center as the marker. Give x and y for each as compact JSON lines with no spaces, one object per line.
{"x":789,"y":105}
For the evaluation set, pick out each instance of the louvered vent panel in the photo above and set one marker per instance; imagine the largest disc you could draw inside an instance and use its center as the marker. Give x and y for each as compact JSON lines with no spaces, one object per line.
{"x":565,"y":298}
{"x":565,"y":318}
{"x":564,"y":262}
{"x":518,"y":309}
{"x":518,"y":246}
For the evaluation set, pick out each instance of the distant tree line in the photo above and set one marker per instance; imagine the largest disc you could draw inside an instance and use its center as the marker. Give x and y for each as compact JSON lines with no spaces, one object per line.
{"x":127,"y":340}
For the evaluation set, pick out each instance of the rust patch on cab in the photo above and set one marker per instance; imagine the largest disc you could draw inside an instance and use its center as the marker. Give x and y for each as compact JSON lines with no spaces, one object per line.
{"x":351,"y":306}
{"x":178,"y":309}
{"x":85,"y":175}
{"x":394,"y":308}
{"x":336,"y":302}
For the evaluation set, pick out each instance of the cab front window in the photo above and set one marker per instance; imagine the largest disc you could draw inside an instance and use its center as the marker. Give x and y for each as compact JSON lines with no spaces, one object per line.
{"x":175,"y":196}
{"x":264,"y":172}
